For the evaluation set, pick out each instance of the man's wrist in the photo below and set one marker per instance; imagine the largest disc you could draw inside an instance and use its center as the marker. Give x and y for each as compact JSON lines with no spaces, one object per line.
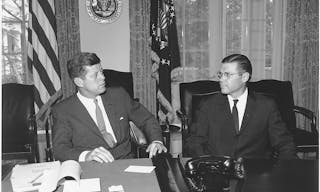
{"x":82,"y":156}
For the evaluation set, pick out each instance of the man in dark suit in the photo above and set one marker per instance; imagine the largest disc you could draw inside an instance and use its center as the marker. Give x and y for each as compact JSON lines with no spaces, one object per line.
{"x":93,"y":124}
{"x":238,"y":122}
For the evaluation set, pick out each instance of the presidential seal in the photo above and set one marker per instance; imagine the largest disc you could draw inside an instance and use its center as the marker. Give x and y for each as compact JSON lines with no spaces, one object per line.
{"x":104,"y":11}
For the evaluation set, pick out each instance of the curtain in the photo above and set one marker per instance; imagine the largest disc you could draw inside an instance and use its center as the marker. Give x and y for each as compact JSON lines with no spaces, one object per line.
{"x":140,"y":56}
{"x":253,"y":35}
{"x":68,"y":34}
{"x":193,"y":33}
{"x":278,"y":39}
{"x":301,"y":63}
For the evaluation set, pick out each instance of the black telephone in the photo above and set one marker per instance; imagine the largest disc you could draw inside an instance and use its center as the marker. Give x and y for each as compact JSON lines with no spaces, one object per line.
{"x":212,"y":173}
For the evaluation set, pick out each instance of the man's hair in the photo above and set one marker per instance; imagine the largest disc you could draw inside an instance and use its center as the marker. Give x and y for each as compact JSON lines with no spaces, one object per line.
{"x":242,"y":61}
{"x":76,"y":65}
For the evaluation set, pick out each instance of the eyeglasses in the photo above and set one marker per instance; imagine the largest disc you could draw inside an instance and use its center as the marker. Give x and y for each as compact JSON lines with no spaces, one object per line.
{"x":226,"y":75}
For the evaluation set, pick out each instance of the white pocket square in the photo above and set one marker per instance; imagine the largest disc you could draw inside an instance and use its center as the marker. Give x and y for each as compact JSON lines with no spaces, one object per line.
{"x":121,"y":118}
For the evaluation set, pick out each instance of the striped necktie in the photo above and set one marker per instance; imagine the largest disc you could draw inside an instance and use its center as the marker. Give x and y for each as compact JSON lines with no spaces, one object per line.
{"x":102,"y":127}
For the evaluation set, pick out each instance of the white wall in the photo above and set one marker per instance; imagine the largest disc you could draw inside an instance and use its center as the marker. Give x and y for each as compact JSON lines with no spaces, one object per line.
{"x":111,"y":42}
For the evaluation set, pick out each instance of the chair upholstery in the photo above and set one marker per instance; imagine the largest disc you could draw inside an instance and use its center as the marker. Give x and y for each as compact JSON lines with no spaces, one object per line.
{"x":19,"y":130}
{"x":306,"y":140}
{"x":191,"y":94}
{"x":118,"y":78}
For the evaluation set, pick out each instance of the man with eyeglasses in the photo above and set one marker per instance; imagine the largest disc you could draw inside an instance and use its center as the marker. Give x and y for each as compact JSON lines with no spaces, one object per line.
{"x":238,"y":122}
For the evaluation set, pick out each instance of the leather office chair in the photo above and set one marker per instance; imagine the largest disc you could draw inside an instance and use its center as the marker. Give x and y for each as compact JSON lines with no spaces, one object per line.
{"x":191,"y":94}
{"x":113,"y":79}
{"x":19,"y":129}
{"x":306,"y":140}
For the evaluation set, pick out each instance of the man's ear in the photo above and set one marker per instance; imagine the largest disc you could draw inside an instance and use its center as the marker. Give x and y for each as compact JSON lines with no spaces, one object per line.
{"x":245,"y":77}
{"x":78,"y":81}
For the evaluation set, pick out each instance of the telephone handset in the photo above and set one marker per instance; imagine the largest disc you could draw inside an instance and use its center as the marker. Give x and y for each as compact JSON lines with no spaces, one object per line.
{"x":213,"y":171}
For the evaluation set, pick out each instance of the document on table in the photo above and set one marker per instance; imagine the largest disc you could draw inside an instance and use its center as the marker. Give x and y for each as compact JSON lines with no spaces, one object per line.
{"x":139,"y":169}
{"x":86,"y":185}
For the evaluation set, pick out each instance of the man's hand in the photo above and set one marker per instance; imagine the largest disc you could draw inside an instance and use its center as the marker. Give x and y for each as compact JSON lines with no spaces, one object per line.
{"x":156,"y":147}
{"x":99,"y":154}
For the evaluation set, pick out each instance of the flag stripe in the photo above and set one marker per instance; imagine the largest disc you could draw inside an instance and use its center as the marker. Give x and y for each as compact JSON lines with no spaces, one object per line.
{"x":44,"y":77}
{"x":47,"y":64}
{"x":37,"y":98}
{"x":163,"y":20}
{"x":46,"y":44}
{"x":50,"y":14}
{"x":44,"y":22}
{"x":43,"y":92}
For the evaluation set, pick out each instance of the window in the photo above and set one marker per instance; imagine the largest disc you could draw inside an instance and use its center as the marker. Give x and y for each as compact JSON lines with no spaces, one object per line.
{"x":14,"y":41}
{"x":210,"y":30}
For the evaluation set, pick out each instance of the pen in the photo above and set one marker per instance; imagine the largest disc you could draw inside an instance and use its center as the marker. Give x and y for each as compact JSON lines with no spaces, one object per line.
{"x":36,"y":178}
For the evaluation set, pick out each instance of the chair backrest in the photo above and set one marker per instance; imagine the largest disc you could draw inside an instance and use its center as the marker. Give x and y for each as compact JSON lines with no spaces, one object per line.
{"x":118,"y":78}
{"x":282,"y":93}
{"x":192,"y":93}
{"x":18,"y":120}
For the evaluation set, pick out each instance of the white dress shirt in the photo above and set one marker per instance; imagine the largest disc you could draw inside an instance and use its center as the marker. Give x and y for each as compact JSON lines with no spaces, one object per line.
{"x":91,"y":108}
{"x":241,"y":105}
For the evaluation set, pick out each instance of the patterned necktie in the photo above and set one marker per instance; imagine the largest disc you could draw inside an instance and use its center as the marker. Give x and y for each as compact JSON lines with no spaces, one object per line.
{"x":102,"y":127}
{"x":235,"y":115}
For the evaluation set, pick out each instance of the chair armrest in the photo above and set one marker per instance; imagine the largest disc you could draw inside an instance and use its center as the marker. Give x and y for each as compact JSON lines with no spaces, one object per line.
{"x":184,"y":120}
{"x":308,"y":114}
{"x":137,"y":135}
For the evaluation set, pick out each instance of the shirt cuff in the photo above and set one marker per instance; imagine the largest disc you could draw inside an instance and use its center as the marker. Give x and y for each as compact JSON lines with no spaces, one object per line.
{"x":156,"y":141}
{"x":82,"y":156}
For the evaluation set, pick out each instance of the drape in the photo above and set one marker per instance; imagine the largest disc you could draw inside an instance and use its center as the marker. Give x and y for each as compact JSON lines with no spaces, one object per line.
{"x":68,"y":35}
{"x":301,"y":63}
{"x":140,"y":56}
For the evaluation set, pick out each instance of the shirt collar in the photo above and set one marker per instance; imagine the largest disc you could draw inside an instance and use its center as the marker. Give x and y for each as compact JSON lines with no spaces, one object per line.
{"x":86,"y":99}
{"x":241,"y":98}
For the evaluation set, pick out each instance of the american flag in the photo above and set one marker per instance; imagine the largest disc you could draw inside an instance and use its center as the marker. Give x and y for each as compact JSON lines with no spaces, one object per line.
{"x":43,"y":50}
{"x":164,"y":44}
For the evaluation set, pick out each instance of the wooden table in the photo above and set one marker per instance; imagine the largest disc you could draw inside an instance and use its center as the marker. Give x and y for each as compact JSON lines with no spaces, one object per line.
{"x":113,"y":174}
{"x":282,"y":176}
{"x":261,"y":175}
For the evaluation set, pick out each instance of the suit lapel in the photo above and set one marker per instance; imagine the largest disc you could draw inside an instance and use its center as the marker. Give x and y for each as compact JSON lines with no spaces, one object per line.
{"x":224,"y":108}
{"x":111,"y":113}
{"x":85,"y":117}
{"x":250,"y":109}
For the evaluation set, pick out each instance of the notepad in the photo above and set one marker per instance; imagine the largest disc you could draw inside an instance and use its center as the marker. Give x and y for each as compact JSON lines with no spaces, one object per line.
{"x":139,"y":169}
{"x":86,"y":185}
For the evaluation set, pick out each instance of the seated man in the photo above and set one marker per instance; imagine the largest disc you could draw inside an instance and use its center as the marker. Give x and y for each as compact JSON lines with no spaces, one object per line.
{"x":239,"y":122}
{"x":93,"y":124}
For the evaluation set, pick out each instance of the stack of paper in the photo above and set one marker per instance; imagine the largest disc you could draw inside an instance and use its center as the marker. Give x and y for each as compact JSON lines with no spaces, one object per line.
{"x":32,"y":176}
{"x":43,"y":177}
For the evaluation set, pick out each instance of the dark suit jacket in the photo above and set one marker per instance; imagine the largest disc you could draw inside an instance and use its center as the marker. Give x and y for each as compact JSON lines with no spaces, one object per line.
{"x":262,"y":129}
{"x":74,"y":131}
